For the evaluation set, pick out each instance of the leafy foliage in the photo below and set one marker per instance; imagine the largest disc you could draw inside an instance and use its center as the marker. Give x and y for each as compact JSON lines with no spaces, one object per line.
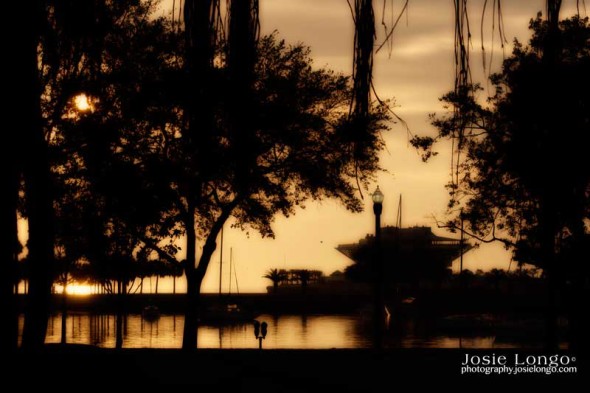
{"x":111,"y":174}
{"x":122,"y":165}
{"x":301,"y":140}
{"x":524,"y":172}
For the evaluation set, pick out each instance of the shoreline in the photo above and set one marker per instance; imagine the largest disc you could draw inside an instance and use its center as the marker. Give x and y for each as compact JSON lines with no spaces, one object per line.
{"x":430,"y":302}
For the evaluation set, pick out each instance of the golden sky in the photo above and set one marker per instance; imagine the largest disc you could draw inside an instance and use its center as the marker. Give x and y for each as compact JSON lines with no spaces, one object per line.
{"x":416,"y":73}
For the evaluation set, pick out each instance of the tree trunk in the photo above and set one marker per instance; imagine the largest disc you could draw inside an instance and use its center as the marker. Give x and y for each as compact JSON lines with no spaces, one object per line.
{"x":579,"y":321}
{"x":38,"y":197}
{"x":121,"y":289}
{"x":548,"y":224}
{"x":8,"y":258}
{"x":14,"y":152}
{"x":189,"y":339}
{"x":64,"y":311}
{"x":364,"y":39}
{"x":242,"y":44}
{"x":200,"y":38}
{"x":191,"y":322}
{"x":548,"y":221}
{"x":195,"y":275}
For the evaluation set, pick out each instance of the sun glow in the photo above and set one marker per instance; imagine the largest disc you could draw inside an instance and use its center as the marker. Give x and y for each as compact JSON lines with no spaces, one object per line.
{"x":82,"y":103}
{"x":76,"y":289}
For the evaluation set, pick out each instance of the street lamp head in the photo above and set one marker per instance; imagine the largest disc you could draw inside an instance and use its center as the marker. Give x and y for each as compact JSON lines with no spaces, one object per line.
{"x":378,"y":196}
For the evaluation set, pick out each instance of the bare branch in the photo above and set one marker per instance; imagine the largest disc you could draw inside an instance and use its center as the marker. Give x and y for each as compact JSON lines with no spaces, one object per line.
{"x":492,"y":239}
{"x":390,"y":34}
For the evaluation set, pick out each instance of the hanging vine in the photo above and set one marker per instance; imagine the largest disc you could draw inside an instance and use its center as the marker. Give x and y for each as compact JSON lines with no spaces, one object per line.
{"x":363,"y":16}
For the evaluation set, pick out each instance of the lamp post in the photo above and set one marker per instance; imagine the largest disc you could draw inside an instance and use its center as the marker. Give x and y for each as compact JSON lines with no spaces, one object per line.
{"x":379,"y":317}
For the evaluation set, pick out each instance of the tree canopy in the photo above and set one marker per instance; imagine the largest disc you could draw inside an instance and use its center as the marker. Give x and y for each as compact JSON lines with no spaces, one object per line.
{"x":300,"y":144}
{"x":125,"y":156}
{"x":525,"y":171}
{"x":104,"y":105}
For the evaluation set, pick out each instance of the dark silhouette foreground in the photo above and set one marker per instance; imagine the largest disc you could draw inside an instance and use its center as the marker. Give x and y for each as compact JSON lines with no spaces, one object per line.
{"x":272,"y":371}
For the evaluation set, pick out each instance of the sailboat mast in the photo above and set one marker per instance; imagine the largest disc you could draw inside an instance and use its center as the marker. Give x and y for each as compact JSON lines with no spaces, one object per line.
{"x":398,"y":223}
{"x":461,"y":244}
{"x":236,"y":278}
{"x":399,"y":212}
{"x":230,"y":267}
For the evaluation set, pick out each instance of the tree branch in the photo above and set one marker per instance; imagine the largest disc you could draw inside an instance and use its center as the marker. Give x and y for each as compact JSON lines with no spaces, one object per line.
{"x":161,"y":253}
{"x":210,"y":243}
{"x":152,"y":244}
{"x":492,"y":239}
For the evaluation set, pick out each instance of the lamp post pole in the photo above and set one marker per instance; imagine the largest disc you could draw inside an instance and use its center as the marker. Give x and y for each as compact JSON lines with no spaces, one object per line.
{"x":379,"y":317}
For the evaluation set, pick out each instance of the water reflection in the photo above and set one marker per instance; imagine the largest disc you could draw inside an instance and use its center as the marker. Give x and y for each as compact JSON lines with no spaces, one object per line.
{"x":285,"y":331}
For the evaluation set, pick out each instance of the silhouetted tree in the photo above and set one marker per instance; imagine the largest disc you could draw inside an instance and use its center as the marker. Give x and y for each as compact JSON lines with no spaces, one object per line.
{"x":222,"y":140}
{"x":495,"y":277}
{"x":8,"y":256}
{"x":276,"y":276}
{"x":524,"y":174}
{"x":202,"y":33}
{"x":37,"y":186}
{"x":114,"y":156}
{"x":303,"y":276}
{"x":299,"y":120}
{"x":76,"y":23}
{"x":466,"y":277}
{"x":109,"y":163}
{"x":11,"y":177}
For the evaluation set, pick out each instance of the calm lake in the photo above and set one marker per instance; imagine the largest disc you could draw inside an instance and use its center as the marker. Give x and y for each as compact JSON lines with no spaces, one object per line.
{"x":285,"y":332}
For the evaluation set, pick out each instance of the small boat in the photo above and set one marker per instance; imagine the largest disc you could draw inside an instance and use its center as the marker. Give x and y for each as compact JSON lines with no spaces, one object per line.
{"x":150,"y":313}
{"x":473,"y":323}
{"x":227,"y":313}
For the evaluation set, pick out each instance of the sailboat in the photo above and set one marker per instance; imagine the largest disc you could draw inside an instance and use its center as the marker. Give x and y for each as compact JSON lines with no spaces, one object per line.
{"x":227,"y":310}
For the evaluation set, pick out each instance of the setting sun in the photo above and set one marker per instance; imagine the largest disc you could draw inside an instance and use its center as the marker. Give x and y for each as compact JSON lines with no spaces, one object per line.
{"x":299,"y":195}
{"x":82,"y":103}
{"x":76,"y":289}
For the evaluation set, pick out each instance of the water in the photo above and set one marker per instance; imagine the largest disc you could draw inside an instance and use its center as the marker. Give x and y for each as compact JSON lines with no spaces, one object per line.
{"x":285,"y":332}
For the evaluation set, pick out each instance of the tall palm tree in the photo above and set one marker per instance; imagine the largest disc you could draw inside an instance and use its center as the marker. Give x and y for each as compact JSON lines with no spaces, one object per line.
{"x":303,"y":276}
{"x":276,"y":276}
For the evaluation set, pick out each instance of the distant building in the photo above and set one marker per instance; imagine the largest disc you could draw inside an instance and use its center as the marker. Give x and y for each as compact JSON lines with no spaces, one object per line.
{"x":412,"y":255}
